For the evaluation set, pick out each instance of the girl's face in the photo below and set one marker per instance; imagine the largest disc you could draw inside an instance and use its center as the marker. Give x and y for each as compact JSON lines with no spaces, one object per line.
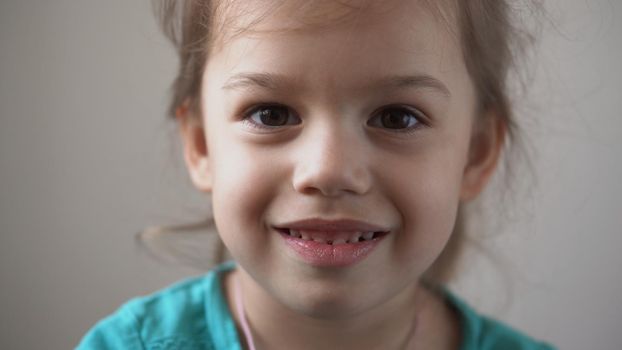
{"x":366,"y":118}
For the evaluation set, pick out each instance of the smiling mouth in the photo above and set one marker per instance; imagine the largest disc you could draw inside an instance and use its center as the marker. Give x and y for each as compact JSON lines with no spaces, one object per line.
{"x":333,"y":237}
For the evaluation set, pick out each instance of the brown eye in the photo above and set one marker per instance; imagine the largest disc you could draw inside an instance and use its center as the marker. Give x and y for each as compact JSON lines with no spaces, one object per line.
{"x":271,"y":116}
{"x":396,"y":118}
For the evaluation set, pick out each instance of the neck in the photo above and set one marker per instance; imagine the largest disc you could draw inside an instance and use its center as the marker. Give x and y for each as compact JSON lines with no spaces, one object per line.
{"x":392,"y":325}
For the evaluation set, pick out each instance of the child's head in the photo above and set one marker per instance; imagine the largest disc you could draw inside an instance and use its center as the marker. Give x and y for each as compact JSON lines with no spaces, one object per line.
{"x":393,"y":113}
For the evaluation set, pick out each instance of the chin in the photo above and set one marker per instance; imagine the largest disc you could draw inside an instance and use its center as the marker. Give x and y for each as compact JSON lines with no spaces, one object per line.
{"x":322,"y":302}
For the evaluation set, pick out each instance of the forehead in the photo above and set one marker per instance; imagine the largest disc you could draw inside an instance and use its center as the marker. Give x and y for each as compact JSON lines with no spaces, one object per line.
{"x":233,"y":18}
{"x":340,"y":42}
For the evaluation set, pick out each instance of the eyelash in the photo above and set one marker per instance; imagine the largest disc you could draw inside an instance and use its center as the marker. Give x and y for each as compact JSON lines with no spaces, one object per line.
{"x":415,"y":113}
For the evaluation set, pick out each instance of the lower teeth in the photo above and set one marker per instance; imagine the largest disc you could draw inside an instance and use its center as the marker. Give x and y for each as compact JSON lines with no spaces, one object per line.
{"x":336,"y":242}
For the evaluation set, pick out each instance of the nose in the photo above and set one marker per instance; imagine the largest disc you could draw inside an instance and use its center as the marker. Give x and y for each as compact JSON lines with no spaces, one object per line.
{"x":332,"y":162}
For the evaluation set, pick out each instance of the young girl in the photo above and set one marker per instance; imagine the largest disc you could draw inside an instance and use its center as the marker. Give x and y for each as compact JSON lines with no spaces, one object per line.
{"x":339,"y":141}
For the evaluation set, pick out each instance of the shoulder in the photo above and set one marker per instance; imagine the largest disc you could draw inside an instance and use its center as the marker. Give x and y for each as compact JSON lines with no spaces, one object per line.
{"x":494,"y":334}
{"x":177,"y":317}
{"x":480,"y":332}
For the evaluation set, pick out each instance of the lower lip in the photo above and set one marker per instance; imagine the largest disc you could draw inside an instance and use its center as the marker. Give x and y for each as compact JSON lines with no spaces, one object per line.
{"x":327,"y":255}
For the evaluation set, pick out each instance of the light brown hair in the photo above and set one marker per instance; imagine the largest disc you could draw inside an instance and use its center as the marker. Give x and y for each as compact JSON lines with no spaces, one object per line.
{"x":492,"y":40}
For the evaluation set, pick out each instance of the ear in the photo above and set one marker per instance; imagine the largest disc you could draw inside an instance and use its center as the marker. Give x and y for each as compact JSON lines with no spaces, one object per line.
{"x":485,"y":148}
{"x":195,"y":148}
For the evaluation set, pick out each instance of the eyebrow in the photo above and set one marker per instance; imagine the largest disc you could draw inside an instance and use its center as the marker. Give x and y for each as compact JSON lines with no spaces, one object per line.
{"x":271,"y":81}
{"x":249,"y":80}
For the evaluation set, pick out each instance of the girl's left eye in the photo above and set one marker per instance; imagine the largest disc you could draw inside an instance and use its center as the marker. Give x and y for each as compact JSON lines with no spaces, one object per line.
{"x":400,"y":119}
{"x":270,"y":116}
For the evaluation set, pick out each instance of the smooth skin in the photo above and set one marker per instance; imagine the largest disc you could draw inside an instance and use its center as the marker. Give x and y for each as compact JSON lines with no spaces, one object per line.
{"x":371,"y":117}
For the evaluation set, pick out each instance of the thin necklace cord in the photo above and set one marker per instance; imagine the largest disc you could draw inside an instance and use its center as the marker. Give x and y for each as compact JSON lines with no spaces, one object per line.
{"x":242,"y":316}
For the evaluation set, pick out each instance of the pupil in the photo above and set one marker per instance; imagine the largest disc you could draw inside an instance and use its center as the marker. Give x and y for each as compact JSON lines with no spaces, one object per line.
{"x":273,"y":116}
{"x":395,"y":120}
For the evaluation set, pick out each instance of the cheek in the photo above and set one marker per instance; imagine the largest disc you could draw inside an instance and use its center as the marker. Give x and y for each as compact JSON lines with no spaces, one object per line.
{"x":243,"y":186}
{"x":426,"y":193}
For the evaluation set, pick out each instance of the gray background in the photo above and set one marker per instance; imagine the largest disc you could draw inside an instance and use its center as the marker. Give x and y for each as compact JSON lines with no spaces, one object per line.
{"x":87,"y":159}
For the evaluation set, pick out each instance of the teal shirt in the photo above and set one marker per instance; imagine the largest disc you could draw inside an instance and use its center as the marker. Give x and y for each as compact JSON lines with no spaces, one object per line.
{"x":193,"y":315}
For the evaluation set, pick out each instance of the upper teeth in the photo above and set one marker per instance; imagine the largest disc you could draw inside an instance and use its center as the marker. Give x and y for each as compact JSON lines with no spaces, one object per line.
{"x":339,"y":238}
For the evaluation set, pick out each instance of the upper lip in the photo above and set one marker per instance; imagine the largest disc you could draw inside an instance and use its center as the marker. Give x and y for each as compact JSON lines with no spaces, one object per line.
{"x":317,"y":224}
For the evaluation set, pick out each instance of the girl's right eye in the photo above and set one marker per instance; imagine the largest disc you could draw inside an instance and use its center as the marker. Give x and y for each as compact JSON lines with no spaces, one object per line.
{"x":270,"y":117}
